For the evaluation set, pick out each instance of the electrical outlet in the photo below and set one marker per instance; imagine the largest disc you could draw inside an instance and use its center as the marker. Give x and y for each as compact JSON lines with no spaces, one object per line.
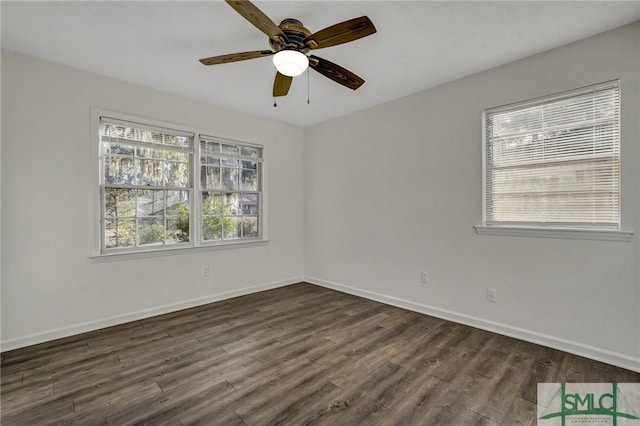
{"x":205,"y":271}
{"x":491,"y":295}
{"x":424,"y":277}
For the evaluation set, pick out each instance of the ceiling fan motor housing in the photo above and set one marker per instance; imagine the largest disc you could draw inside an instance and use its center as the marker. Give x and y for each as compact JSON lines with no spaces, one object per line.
{"x":295,"y":34}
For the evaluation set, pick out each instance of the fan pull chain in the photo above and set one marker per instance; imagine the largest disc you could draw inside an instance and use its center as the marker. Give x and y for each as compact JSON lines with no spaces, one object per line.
{"x":274,"y":102}
{"x":308,"y":87}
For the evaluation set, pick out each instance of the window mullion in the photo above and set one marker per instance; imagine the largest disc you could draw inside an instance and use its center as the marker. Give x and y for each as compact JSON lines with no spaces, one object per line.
{"x":196,"y":194}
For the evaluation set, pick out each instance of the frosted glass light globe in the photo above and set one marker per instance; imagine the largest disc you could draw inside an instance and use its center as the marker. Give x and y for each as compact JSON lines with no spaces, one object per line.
{"x":290,"y":62}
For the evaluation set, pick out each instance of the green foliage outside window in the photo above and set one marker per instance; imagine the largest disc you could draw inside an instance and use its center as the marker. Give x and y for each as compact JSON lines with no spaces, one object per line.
{"x":214,"y":227}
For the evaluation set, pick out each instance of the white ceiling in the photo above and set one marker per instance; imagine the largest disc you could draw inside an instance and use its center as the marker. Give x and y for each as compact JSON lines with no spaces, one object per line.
{"x":418,"y":45}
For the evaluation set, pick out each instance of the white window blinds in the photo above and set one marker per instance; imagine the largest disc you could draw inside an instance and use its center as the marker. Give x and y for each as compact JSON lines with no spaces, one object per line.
{"x":555,"y":161}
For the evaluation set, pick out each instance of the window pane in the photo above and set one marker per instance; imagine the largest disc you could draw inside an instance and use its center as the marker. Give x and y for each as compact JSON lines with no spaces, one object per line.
{"x":249,"y":227}
{"x":230,"y":149}
{"x":150,"y":231}
{"x":231,"y":228}
{"x":209,"y":147}
{"x":120,"y":233}
{"x":176,"y":156}
{"x":249,"y":204}
{"x":249,"y":164}
{"x":177,"y":210}
{"x":178,"y":230}
{"x":210,"y":177}
{"x":118,"y":149}
{"x":148,"y":172}
{"x":149,"y":152}
{"x":231,"y":204}
{"x":150,"y":202}
{"x":249,"y":152}
{"x":212,"y":228}
{"x":118,"y":170}
{"x":211,"y":203}
{"x":249,"y":180}
{"x":177,"y":174}
{"x":230,"y":162}
{"x":177,"y":203}
{"x":174,"y":140}
{"x":230,"y":178}
{"x":120,"y":202}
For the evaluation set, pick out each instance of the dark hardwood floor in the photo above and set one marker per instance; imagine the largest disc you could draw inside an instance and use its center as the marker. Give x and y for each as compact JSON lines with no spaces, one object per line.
{"x":295,"y":355}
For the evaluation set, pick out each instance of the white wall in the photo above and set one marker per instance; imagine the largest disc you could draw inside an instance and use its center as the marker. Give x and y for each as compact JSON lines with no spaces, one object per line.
{"x":397,"y":188}
{"x":50,"y":287}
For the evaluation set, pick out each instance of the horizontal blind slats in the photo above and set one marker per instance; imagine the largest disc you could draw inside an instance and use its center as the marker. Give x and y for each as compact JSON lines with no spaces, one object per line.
{"x":136,"y":132}
{"x":555,"y":159}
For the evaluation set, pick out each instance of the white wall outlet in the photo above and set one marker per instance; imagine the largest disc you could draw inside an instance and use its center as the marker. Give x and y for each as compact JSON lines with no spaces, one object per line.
{"x":491,"y":295}
{"x":424,"y":277}
{"x":205,"y":271}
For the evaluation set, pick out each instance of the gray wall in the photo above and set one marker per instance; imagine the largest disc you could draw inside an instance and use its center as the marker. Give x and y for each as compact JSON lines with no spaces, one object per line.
{"x":396,"y":189}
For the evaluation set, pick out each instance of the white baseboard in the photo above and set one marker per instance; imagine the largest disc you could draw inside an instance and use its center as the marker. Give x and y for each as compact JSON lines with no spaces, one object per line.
{"x":598,"y":354}
{"x":61,"y":332}
{"x":576,"y":348}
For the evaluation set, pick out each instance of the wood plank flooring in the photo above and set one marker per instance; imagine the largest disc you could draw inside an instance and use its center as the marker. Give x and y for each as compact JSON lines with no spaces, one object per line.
{"x":295,"y":355}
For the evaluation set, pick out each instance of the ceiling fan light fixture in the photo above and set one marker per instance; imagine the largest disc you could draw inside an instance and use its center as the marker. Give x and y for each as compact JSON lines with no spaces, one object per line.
{"x":290,"y":62}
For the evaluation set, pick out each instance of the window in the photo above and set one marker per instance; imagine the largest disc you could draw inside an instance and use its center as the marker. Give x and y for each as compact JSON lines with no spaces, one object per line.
{"x":230,"y":185}
{"x":149,"y":198}
{"x":147,"y":188}
{"x":555,"y":161}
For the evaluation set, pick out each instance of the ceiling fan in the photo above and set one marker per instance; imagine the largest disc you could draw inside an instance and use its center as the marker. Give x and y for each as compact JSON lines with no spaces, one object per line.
{"x":291,"y":44}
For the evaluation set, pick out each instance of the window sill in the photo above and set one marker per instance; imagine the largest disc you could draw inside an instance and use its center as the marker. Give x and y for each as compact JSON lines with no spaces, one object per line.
{"x":109,"y":257}
{"x":564,"y":233}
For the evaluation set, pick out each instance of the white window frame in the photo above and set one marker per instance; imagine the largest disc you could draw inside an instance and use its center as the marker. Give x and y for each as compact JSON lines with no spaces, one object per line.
{"x":98,"y":250}
{"x":541,"y":229}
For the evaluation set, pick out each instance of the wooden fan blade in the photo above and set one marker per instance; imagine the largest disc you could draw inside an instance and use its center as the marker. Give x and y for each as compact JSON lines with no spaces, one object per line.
{"x":335,"y":72}
{"x":343,"y":32}
{"x":254,"y":15}
{"x":281,"y":85}
{"x":235,"y":57}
